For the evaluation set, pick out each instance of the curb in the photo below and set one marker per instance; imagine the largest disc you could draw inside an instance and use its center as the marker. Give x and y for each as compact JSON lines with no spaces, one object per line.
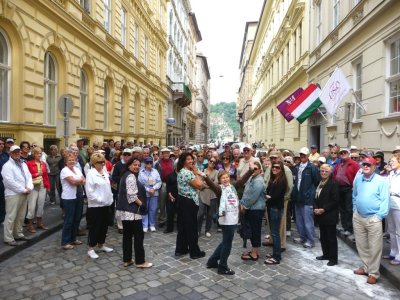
{"x":392,"y":273}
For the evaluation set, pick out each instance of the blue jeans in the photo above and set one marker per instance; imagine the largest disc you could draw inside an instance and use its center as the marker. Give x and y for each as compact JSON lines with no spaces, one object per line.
{"x":72,"y":218}
{"x":254,"y":217}
{"x":223,"y":250}
{"x":276,"y":216}
{"x":150,"y":218}
{"x":305,"y":222}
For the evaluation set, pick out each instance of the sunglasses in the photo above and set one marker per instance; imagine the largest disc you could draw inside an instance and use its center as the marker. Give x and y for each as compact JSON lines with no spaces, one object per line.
{"x":200,"y":155}
{"x":276,"y":167}
{"x":155,"y":154}
{"x":101,"y":162}
{"x":341,"y":153}
{"x":212,"y":162}
{"x":126,"y":154}
{"x":226,"y":158}
{"x":366,"y":165}
{"x":256,"y":169}
{"x":333,"y":152}
{"x":246,"y":150}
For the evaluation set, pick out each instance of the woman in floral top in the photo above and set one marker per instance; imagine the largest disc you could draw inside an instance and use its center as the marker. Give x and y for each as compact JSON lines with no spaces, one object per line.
{"x":188,"y":206}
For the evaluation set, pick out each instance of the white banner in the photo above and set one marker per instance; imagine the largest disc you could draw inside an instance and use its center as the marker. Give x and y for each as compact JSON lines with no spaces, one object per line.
{"x":334,"y":91}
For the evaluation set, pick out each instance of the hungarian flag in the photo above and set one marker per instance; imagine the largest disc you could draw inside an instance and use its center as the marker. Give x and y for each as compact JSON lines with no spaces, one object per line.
{"x":308,"y":101}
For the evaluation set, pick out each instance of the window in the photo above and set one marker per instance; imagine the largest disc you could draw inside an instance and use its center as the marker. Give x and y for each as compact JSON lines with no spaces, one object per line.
{"x":146,"y":50}
{"x":84,"y":99}
{"x":106,"y":104}
{"x":123,"y":26}
{"x":4,"y":79}
{"x":318,"y":24}
{"x":107,"y":15}
{"x":336,"y":12}
{"x":135,"y":40}
{"x":357,"y":87}
{"x":394,"y":77}
{"x":86,"y":5}
{"x":50,"y":88}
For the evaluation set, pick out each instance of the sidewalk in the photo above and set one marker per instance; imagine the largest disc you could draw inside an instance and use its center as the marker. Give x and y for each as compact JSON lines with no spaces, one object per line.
{"x":392,"y":273}
{"x":52,"y":218}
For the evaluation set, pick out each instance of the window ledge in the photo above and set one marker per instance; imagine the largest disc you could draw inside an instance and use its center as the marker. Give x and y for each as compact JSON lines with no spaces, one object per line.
{"x":357,"y":122}
{"x":333,"y":126}
{"x":389,"y":118}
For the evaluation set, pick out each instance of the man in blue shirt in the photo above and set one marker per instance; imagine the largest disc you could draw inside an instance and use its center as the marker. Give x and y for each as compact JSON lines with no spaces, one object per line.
{"x":370,"y":206}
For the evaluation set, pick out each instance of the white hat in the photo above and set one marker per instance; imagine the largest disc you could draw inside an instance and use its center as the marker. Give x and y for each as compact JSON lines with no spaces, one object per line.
{"x":396,"y":149}
{"x":15,"y":147}
{"x":352,"y":147}
{"x":127,"y":150}
{"x":137,"y":149}
{"x":165,"y":150}
{"x":248,"y":146}
{"x":304,"y":151}
{"x":9,"y":140}
{"x":212,"y":146}
{"x":322,"y":159}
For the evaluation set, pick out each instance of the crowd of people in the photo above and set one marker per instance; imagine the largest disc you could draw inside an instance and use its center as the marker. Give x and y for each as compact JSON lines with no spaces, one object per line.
{"x":148,"y":188}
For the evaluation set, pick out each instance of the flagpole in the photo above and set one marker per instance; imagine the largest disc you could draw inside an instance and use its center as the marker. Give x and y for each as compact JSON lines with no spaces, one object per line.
{"x":322,"y":114}
{"x":358,"y":100}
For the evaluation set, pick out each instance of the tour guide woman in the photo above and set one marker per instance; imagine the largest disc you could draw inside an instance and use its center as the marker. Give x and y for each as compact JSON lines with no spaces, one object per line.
{"x":130,"y":207}
{"x":188,"y":206}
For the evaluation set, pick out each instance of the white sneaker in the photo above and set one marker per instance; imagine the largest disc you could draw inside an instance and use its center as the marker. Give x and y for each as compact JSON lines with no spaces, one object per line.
{"x":288,"y":233}
{"x":308,"y":245}
{"x":92,"y":254}
{"x":106,"y":249}
{"x":145,"y":229}
{"x":152,"y":228}
{"x":298,"y":241}
{"x":208,"y":234}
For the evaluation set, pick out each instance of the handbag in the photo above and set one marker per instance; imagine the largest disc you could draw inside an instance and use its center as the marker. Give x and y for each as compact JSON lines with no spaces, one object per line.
{"x":38,"y":180}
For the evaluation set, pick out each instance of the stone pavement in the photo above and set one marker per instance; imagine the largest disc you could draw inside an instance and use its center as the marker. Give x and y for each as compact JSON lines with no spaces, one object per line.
{"x":45,"y":271}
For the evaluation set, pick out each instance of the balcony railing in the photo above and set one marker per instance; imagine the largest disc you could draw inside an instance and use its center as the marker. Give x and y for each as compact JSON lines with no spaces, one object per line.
{"x":181,"y":93}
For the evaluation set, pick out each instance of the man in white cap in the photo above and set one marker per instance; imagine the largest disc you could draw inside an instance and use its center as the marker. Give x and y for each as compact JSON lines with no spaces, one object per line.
{"x":165,"y":166}
{"x":243,"y":166}
{"x":307,"y":179}
{"x":18,"y":184}
{"x":396,"y":150}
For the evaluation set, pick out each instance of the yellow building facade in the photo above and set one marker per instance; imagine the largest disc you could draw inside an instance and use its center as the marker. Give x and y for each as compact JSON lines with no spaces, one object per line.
{"x":108,"y":55}
{"x":279,"y":59}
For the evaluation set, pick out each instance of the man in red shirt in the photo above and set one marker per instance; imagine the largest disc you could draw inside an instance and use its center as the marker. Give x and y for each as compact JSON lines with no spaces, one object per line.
{"x":164,"y":166}
{"x":343,"y":175}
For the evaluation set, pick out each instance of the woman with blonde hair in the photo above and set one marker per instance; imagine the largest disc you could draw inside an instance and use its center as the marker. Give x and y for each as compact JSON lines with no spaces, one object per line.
{"x":98,"y":192}
{"x":41,"y":183}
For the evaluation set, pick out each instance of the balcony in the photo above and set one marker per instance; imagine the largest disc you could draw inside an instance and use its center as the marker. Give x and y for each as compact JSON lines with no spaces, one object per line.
{"x":181,"y":94}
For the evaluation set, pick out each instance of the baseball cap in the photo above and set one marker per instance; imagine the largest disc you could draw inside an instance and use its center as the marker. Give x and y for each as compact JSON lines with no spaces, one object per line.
{"x":352,"y":147}
{"x":396,"y":149}
{"x":379,"y":153}
{"x":304,"y":151}
{"x":288,"y":159}
{"x":9,"y":140}
{"x":367,"y":153}
{"x":148,"y":160}
{"x":137,"y":149}
{"x":344,"y":150}
{"x":127,"y":150}
{"x":15,"y":147}
{"x":275,"y":153}
{"x":332,"y":144}
{"x":354,"y":155}
{"x":165,"y":150}
{"x":370,"y":160}
{"x":314,"y":147}
{"x":322,"y":159}
{"x":247,"y":146}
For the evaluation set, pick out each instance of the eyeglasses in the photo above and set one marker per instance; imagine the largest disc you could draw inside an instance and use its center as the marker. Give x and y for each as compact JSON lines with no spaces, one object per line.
{"x":246,"y":150}
{"x":333,"y":152}
{"x":276,"y":167}
{"x":126,"y":154}
{"x":226,"y":158}
{"x":200,"y":155}
{"x":100,"y":162}
{"x":344,"y":152}
{"x":323,"y":171}
{"x":155,"y":154}
{"x":366,"y":165}
{"x":212,"y":161}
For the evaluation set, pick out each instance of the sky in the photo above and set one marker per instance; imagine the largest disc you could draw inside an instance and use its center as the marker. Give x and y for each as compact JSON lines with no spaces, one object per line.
{"x":222,"y":24}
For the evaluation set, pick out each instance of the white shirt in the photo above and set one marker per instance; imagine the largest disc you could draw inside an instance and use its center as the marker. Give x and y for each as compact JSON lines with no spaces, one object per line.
{"x":98,"y":189}
{"x":69,"y":190}
{"x":16,"y":178}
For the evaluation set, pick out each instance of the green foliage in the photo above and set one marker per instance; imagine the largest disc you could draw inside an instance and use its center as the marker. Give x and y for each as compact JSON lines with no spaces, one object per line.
{"x":228,"y":111}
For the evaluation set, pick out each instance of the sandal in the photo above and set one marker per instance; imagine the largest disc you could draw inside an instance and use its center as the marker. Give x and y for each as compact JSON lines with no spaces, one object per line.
{"x":271,"y":261}
{"x":67,"y":247}
{"x":268,"y":256}
{"x":394,"y":262}
{"x":388,"y":257}
{"x":249,"y":257}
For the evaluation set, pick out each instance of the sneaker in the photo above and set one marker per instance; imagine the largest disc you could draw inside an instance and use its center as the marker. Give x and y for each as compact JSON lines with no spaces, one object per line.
{"x":152,"y":228}
{"x":92,"y":254}
{"x":145,"y":229}
{"x":106,"y":249}
{"x":144,"y":265}
{"x":347,"y":233}
{"x":288,"y":233}
{"x":208,"y":234}
{"x":298,"y":241}
{"x":308,"y":245}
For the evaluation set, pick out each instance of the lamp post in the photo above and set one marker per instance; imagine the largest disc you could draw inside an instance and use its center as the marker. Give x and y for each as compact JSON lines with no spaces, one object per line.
{"x":240,"y":120}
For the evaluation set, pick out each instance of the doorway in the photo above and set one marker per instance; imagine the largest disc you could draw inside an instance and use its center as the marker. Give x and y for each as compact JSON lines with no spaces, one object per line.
{"x":315,"y":136}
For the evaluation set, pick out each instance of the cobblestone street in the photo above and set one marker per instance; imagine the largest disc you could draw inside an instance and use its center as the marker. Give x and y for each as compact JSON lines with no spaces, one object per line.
{"x":45,"y":271}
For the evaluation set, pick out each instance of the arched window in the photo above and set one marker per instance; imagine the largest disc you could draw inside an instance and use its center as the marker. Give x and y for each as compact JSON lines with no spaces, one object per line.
{"x":4,"y":79}
{"x":106,"y":104}
{"x":50,"y":89}
{"x":84,"y":98}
